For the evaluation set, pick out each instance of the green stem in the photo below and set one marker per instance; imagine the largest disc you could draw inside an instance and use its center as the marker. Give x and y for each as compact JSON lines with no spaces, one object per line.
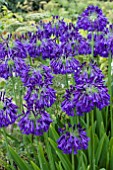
{"x":20,"y":98}
{"x":110,"y":91}
{"x":92,"y":142}
{"x":73,"y":161}
{"x":92,"y":49}
{"x":72,"y":120}
{"x":9,"y":155}
{"x":39,"y":155}
{"x":30,"y":60}
{"x":67,"y":81}
{"x":107,"y":113}
{"x":49,"y":152}
{"x":87,"y":117}
{"x":14,"y":90}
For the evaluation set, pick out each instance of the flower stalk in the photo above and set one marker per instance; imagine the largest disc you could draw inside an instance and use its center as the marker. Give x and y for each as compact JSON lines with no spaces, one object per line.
{"x":7,"y":147}
{"x":110,"y":90}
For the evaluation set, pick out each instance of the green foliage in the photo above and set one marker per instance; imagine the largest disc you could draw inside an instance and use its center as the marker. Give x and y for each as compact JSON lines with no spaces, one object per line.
{"x":72,"y":8}
{"x":42,"y":153}
{"x":24,"y":5}
{"x":35,"y":167}
{"x":20,"y":163}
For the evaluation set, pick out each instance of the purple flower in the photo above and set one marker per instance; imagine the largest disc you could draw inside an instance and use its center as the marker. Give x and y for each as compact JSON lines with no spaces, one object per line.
{"x":35,"y":123}
{"x":88,"y":68}
{"x":40,"y":97}
{"x":64,"y":65}
{"x":4,"y":71}
{"x":68,"y":105}
{"x":3,"y":51}
{"x":90,"y":93}
{"x":101,"y":44}
{"x":27,"y":45}
{"x":73,"y":140}
{"x":13,"y":66}
{"x":20,"y":68}
{"x":19,"y":49}
{"x":38,"y":83}
{"x":92,"y":19}
{"x":8,"y":111}
{"x":37,"y":76}
{"x":101,"y":47}
{"x":61,"y":42}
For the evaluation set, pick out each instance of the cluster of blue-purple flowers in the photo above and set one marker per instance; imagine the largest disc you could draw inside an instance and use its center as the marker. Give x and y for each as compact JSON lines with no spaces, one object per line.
{"x":61,"y":43}
{"x":73,"y":138}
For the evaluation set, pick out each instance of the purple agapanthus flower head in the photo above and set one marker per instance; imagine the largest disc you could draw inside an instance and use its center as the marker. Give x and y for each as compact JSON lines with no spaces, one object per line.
{"x":8,"y":111}
{"x":73,"y":140}
{"x":88,"y":68}
{"x":9,"y":60}
{"x":10,"y":66}
{"x":103,"y":42}
{"x":19,"y":49}
{"x":92,"y":19}
{"x":35,"y":123}
{"x":39,"y":92}
{"x":27,"y":45}
{"x":89,"y":92}
{"x":39,"y":76}
{"x":5,"y":55}
{"x":63,"y":54}
{"x":20,"y":68}
{"x":61,"y":42}
{"x":40,"y":97}
{"x":101,"y":46}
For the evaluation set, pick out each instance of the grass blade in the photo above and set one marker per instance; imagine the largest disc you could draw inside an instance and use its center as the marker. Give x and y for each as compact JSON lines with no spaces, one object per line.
{"x":21,"y":164}
{"x":35,"y":167}
{"x":64,"y":158}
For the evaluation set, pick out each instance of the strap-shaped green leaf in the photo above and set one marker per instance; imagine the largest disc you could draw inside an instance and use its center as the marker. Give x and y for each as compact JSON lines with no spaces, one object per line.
{"x":102,"y":161}
{"x":64,"y":158}
{"x":99,"y":149}
{"x":54,"y":133}
{"x":49,"y":153}
{"x":35,"y":167}
{"x":20,"y":163}
{"x":111,"y":159}
{"x":42,"y":160}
